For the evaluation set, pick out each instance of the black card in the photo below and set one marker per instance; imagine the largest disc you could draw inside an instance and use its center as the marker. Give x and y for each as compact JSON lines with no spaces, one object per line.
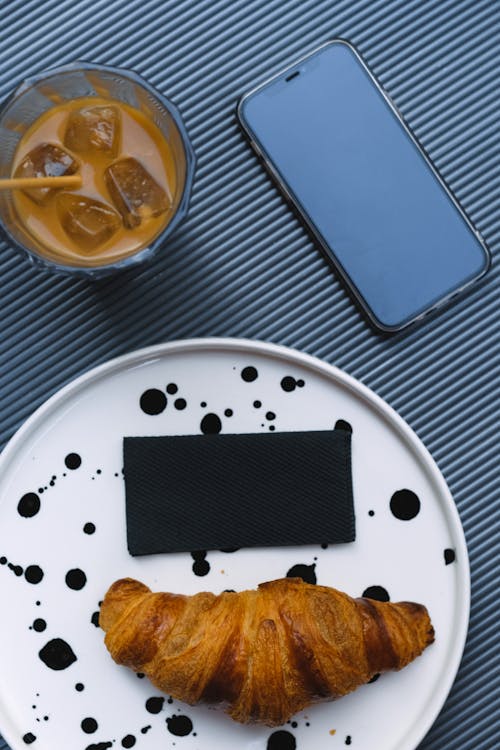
{"x":194,"y":492}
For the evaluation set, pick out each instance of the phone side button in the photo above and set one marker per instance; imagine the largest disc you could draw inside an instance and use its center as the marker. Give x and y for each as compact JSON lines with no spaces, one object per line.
{"x":256,"y":149}
{"x":286,"y":194}
{"x":273,"y":174}
{"x":277,"y":179}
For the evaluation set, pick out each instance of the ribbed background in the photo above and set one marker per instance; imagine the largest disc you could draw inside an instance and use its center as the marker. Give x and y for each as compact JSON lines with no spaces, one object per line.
{"x":242,"y":266}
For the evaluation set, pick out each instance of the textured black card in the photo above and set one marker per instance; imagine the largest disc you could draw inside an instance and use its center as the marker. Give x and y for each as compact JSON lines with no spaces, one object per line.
{"x":194,"y":492}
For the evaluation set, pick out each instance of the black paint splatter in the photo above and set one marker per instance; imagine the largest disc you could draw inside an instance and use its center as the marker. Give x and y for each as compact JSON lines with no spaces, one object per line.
{"x":230,"y":549}
{"x":73,"y":461}
{"x":89,"y":725}
{"x":249,"y":374}
{"x":153,"y":401}
{"x":200,"y":566}
{"x":179,"y":725}
{"x":306,"y":572}
{"x":89,"y":528}
{"x":95,"y":619}
{"x":203,"y":404}
{"x":172,"y":389}
{"x":33,"y":574}
{"x":140,"y":675}
{"x":28,"y":505}
{"x":341,"y":424}
{"x":449,"y":556}
{"x":3,"y":560}
{"x":376,"y":592}
{"x":145,"y":730}
{"x":128,"y":741}
{"x":228,"y":413}
{"x":180,"y":403}
{"x":210,"y":424}
{"x":281,"y":740}
{"x":39,"y":625}
{"x":79,"y":687}
{"x":29,"y":738}
{"x":75,"y":579}
{"x":371,"y":512}
{"x":405,"y":505}
{"x":154,"y":705}
{"x":257,"y":404}
{"x":270,"y":415}
{"x":57,"y":654}
{"x":99,"y":746}
{"x":288,"y":383}
{"x":16,"y":569}
{"x":348,"y":739}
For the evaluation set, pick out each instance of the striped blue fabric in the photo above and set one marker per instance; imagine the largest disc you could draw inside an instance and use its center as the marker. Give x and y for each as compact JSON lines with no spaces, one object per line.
{"x":242,"y":266}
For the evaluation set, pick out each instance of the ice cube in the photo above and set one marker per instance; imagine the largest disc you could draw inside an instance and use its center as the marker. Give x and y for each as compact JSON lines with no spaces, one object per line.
{"x":45,"y":160}
{"x":134,"y":192}
{"x":88,"y":222}
{"x":94,"y":129}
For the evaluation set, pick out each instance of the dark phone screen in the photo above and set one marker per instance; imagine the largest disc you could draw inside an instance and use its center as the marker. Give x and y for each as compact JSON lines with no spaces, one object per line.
{"x":364,"y":185}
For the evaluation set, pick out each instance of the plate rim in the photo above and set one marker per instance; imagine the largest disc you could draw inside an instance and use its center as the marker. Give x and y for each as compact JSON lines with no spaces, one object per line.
{"x":252,"y":346}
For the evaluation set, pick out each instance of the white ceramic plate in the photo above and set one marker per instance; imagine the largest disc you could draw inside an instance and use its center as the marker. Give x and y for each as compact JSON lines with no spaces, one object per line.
{"x":88,"y":419}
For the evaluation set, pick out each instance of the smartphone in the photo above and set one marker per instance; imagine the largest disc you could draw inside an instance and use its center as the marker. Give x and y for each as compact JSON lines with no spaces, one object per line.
{"x":343,"y":156}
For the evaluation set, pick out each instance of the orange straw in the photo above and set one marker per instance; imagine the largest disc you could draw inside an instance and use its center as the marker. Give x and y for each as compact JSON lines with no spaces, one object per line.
{"x":19,"y":183}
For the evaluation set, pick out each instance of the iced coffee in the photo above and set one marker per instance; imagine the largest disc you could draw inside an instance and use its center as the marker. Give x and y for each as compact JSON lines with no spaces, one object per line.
{"x":128,"y":181}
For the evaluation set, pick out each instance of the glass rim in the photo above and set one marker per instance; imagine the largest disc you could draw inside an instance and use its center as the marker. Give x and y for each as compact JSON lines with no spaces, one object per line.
{"x":181,"y":211}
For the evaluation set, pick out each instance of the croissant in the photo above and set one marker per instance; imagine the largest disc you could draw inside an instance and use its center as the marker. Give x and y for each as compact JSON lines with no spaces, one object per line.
{"x":266,"y":654}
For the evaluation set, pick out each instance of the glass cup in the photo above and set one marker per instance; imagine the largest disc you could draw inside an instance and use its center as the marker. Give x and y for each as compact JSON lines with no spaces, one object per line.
{"x":57,"y":85}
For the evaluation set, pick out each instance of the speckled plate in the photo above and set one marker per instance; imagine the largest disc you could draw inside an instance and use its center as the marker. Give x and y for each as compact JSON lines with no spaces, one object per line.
{"x":62,"y":542}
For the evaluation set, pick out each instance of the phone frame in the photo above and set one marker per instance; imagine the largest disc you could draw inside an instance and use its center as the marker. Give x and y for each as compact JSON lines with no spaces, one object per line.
{"x":329,"y":251}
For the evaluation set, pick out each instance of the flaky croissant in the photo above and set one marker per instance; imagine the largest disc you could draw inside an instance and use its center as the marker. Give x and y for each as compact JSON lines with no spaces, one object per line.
{"x":267,"y":653}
